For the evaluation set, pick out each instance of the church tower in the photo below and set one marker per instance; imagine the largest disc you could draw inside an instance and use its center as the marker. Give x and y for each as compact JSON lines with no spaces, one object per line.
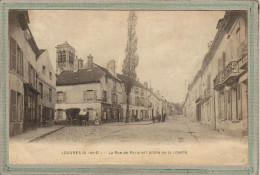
{"x":65,"y":56}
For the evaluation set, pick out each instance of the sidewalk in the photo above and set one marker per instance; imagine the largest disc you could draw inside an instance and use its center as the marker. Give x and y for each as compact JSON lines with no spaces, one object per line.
{"x":33,"y":134}
{"x":147,"y":122}
{"x":205,"y":133}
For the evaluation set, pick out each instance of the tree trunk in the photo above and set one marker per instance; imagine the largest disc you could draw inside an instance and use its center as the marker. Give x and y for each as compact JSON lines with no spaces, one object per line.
{"x":127,"y":108}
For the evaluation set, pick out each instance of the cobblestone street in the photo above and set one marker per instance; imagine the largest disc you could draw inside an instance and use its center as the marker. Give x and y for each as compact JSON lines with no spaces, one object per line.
{"x":191,"y":140}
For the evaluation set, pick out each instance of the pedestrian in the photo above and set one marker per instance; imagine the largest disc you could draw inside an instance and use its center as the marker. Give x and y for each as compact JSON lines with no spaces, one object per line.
{"x":96,"y":120}
{"x":153,"y":118}
{"x":164,"y":116}
{"x":160,"y":118}
{"x":86,"y":118}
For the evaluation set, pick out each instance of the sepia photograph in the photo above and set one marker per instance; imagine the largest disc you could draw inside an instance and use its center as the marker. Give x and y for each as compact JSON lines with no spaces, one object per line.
{"x":128,"y":87}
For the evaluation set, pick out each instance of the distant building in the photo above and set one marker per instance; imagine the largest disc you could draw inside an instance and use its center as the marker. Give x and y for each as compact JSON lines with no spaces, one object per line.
{"x":218,"y":95}
{"x":66,"y":60}
{"x":100,"y":91}
{"x":138,"y":103}
{"x":92,"y":89}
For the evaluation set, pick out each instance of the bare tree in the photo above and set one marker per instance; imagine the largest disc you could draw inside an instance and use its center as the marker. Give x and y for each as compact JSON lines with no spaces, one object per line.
{"x":131,"y":59}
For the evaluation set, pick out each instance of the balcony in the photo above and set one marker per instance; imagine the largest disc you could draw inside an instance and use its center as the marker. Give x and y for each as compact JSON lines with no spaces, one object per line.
{"x":242,"y":52}
{"x":228,"y":76}
{"x":218,"y":82}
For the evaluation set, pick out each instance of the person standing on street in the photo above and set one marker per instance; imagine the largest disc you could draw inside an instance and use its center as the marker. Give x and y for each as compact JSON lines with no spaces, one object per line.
{"x":86,"y":118}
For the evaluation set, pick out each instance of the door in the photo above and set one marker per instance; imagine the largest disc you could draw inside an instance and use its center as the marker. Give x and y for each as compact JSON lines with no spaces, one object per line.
{"x":198,"y":112}
{"x":44,"y":113}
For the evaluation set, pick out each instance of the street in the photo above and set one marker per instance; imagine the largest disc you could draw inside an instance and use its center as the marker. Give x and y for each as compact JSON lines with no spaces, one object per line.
{"x":179,"y":140}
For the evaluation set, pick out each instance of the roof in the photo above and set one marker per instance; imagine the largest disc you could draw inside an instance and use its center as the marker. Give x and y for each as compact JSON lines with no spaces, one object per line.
{"x":135,"y":83}
{"x":107,"y":73}
{"x":40,"y":51}
{"x":82,"y":76}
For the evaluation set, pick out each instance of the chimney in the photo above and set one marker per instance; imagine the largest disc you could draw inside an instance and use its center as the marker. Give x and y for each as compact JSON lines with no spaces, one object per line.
{"x":90,"y":62}
{"x":111,"y":67}
{"x":80,"y":63}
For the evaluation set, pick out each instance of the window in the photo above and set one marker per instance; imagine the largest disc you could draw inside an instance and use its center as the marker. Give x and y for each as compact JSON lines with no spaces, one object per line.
{"x":114,"y":98}
{"x":136,"y":101}
{"x":31,"y":74}
{"x":16,"y":57}
{"x":60,"y":114}
{"x":19,"y":61}
{"x":50,"y":76}
{"x":50,"y":94}
{"x":41,"y":89}
{"x":60,"y":97}
{"x":89,"y":95}
{"x":136,"y":90}
{"x":16,"y":106}
{"x":43,"y":70}
{"x":104,"y":96}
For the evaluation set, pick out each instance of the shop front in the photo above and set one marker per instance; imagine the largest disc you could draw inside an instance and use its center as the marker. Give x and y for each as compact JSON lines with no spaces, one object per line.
{"x":30,"y":107}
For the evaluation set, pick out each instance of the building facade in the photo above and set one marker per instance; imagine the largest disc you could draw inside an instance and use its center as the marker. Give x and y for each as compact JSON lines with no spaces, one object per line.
{"x":46,"y":86}
{"x":24,"y":75}
{"x":92,"y":89}
{"x":138,"y":101}
{"x":217,"y":97}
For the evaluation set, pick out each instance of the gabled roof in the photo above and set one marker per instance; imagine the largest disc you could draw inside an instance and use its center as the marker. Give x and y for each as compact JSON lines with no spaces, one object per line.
{"x":40,"y":51}
{"x":135,"y":83}
{"x":108,"y":73}
{"x":82,"y":76}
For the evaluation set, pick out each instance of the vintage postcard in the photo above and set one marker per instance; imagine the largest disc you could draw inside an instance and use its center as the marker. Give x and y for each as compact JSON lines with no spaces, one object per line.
{"x":147,"y":87}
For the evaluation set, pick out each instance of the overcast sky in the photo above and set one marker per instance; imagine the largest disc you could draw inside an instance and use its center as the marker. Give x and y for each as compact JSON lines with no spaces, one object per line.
{"x":171,"y":44}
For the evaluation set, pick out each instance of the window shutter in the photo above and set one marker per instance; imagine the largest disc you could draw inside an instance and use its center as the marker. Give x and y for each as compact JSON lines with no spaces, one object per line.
{"x":225,"y":104}
{"x":13,"y":105}
{"x":64,"y":96}
{"x":21,"y":116}
{"x":22,"y":68}
{"x":13,"y":54}
{"x":229,"y":104}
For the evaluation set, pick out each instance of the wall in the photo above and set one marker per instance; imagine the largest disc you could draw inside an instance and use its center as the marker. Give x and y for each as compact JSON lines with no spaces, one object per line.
{"x":15,"y":80}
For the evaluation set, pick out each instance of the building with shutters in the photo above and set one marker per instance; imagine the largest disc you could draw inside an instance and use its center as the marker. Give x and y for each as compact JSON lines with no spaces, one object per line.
{"x":138,"y":100}
{"x":24,"y":58}
{"x":92,"y":89}
{"x":218,"y":95}
{"x":46,"y":86}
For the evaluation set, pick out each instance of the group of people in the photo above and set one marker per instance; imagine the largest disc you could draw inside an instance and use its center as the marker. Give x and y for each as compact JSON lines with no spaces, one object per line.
{"x":160,"y":118}
{"x":82,"y":119}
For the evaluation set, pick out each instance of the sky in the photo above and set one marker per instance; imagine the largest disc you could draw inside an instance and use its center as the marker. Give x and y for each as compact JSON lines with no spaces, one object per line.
{"x":171,"y":44}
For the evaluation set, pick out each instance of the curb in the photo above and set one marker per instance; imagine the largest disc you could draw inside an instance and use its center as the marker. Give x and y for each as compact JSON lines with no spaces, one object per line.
{"x":44,"y":135}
